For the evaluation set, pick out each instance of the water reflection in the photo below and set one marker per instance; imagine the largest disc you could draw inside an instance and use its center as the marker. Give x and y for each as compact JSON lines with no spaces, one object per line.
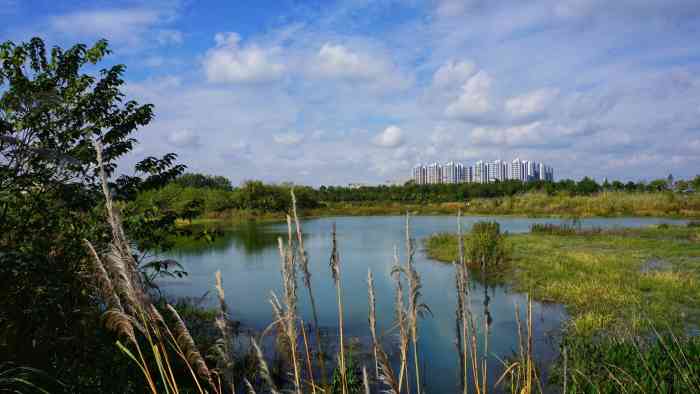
{"x":252,"y":238}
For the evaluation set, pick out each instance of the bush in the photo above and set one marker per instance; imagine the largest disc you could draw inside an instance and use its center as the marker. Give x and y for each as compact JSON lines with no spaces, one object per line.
{"x":486,"y":247}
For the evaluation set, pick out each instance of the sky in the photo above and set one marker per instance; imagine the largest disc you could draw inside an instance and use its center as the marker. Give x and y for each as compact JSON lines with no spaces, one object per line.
{"x":336,"y":92}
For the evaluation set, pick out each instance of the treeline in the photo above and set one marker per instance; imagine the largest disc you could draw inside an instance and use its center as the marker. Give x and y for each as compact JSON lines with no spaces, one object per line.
{"x":191,"y":195}
{"x":411,"y":192}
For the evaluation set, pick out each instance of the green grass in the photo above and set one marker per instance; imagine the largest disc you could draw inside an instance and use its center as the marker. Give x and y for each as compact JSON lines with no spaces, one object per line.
{"x":616,"y":282}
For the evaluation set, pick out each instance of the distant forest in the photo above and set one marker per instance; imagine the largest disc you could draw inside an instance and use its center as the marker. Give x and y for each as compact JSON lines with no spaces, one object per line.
{"x":192,"y":194}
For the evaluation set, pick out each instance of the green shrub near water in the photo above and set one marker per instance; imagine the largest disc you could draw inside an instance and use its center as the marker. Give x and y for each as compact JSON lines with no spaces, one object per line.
{"x":486,"y":246}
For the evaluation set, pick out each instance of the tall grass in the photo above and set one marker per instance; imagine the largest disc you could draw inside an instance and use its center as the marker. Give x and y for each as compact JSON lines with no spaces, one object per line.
{"x":171,"y":362}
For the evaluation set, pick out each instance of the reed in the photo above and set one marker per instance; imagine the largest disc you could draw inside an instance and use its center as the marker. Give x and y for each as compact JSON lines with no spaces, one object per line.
{"x":401,"y":323}
{"x":222,"y":349}
{"x":372,"y":319}
{"x":304,"y":260}
{"x":129,"y":306}
{"x":522,"y":372}
{"x":335,"y":274}
{"x":289,"y":313}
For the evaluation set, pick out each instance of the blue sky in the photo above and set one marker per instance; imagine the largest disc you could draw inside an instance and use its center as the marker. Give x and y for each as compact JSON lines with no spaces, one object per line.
{"x":332,"y":92}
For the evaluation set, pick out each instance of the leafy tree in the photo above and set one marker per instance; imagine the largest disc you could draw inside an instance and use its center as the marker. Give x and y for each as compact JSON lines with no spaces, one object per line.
{"x":51,"y":111}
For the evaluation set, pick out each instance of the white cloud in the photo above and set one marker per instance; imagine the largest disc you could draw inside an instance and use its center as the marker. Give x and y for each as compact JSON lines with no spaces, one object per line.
{"x":122,"y":25}
{"x":337,"y":61}
{"x":391,"y":137}
{"x":290,"y":138}
{"x":231,"y":62}
{"x":474,"y":99}
{"x":531,"y":103}
{"x":453,"y":73}
{"x":185,"y":139}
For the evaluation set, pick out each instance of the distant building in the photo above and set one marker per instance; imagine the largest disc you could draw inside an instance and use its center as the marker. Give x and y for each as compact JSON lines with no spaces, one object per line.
{"x":482,"y":172}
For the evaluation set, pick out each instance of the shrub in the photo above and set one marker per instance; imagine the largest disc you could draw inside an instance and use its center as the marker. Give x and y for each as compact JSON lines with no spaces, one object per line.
{"x":486,"y":246}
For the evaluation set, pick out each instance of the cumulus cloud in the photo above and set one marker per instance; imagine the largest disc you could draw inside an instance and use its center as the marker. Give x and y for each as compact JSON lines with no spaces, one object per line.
{"x":453,"y":73}
{"x":230,"y":62}
{"x":532,"y":103}
{"x":185,"y":139}
{"x":337,"y":61}
{"x":391,"y":137}
{"x":474,"y":100}
{"x":290,"y":138}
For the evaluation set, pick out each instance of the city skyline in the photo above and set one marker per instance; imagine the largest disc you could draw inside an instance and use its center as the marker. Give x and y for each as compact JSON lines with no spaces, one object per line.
{"x":481,"y":172}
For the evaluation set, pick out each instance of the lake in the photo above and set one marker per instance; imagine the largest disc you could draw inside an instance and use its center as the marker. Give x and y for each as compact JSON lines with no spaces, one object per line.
{"x":249,"y":261}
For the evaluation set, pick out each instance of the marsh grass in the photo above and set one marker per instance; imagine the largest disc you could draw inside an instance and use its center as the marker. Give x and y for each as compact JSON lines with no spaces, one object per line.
{"x":578,"y":275}
{"x":603,"y":279}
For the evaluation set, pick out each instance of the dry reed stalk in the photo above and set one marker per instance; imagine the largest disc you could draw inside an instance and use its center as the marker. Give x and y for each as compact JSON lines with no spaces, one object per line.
{"x":365,"y":379}
{"x":304,"y":259}
{"x":402,"y":323}
{"x":224,"y":344}
{"x":386,"y":373}
{"x":335,"y":273}
{"x":264,"y":370}
{"x":308,"y":358}
{"x":415,"y":307}
{"x":119,"y":240}
{"x":289,"y":285}
{"x":372,"y":318}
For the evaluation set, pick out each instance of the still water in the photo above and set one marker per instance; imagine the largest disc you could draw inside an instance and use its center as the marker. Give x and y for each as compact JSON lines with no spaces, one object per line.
{"x":249,"y":261}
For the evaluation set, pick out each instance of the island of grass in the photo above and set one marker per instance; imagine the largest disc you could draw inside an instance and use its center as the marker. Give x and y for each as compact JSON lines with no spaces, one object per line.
{"x":613,"y":281}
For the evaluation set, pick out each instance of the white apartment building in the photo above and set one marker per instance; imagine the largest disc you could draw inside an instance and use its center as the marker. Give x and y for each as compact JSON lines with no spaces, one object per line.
{"x":482,"y":172}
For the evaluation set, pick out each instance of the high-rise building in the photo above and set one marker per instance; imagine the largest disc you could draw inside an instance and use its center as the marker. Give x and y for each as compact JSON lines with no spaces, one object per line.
{"x":434,"y":173}
{"x":516,"y":170}
{"x":482,"y":172}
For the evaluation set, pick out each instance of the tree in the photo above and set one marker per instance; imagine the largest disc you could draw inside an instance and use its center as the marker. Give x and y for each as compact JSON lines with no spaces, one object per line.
{"x":51,"y":111}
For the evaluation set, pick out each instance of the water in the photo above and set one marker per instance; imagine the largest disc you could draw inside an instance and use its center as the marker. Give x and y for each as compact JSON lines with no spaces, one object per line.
{"x":249,"y":261}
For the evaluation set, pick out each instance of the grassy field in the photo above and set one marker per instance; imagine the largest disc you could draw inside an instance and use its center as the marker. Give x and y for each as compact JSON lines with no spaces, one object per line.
{"x":609,"y":204}
{"x":617,"y":281}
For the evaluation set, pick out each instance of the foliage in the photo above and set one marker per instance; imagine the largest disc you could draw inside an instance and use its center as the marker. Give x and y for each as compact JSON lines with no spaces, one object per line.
{"x":203,"y":181}
{"x":617,"y":281}
{"x":486,"y":246}
{"x":51,"y":111}
{"x":353,"y":374}
{"x":662,"y":364}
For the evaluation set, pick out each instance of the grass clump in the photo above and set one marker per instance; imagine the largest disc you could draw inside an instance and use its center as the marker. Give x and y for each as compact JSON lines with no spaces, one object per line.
{"x":486,"y":246}
{"x":660,"y":364}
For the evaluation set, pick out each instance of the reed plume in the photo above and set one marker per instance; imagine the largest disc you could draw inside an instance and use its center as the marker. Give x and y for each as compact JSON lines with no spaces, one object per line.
{"x":264,"y":370}
{"x":186,"y":343}
{"x":401,"y":322}
{"x":224,"y":344}
{"x":304,"y":260}
{"x":288,"y":314}
{"x":372,"y":318}
{"x":335,"y":273}
{"x":416,"y":308}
